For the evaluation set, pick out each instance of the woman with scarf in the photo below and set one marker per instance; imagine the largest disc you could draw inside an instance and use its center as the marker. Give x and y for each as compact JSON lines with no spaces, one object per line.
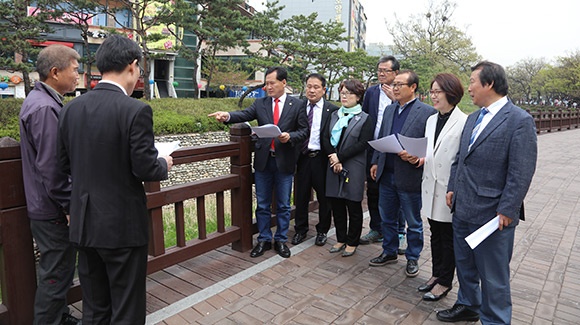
{"x":346,"y":139}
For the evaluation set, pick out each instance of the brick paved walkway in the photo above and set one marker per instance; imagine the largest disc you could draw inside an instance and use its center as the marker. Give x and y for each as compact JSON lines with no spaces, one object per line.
{"x":316,"y":287}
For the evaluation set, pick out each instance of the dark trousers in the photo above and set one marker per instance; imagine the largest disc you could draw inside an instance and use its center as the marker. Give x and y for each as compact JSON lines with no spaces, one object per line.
{"x":113,"y":283}
{"x":373,"y":205}
{"x":311,"y":173}
{"x":443,"y":258}
{"x":55,"y":269}
{"x":347,"y":234}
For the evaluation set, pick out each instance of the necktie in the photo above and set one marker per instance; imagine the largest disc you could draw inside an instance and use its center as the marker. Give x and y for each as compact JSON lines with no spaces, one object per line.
{"x":310,"y":115}
{"x":276,"y":118}
{"x":477,"y":125}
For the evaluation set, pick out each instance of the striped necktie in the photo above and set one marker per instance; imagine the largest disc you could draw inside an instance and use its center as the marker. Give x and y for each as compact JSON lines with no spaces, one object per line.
{"x":310,"y":116}
{"x":482,"y":113}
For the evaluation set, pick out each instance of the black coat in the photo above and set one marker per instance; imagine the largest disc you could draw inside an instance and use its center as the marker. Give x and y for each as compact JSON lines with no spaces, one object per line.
{"x":106,"y":143}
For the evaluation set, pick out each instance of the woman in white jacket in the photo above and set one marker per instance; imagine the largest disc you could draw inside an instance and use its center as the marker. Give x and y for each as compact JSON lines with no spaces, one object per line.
{"x":443,"y":131}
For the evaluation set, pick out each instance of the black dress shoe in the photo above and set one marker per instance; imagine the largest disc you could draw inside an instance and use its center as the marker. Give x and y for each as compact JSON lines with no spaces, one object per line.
{"x":426,"y":287}
{"x":412,"y":269}
{"x":383,"y":259}
{"x":298,"y":238}
{"x":429,"y":296}
{"x":282,"y":249}
{"x":260,"y":248}
{"x":457,"y":313}
{"x":320,"y":239}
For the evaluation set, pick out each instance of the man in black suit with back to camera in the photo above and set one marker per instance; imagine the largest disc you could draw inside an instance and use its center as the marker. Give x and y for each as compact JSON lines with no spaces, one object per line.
{"x":106,"y":143}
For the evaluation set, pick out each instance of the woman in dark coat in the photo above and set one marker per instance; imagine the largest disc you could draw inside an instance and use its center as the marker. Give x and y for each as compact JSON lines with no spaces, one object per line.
{"x":347,"y":138}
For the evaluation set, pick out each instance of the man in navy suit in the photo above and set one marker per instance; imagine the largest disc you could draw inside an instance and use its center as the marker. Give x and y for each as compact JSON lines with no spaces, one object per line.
{"x":490,"y":177}
{"x":399,"y":179}
{"x":312,"y":163}
{"x":106,"y":144}
{"x":376,"y":99}
{"x":274,"y":159}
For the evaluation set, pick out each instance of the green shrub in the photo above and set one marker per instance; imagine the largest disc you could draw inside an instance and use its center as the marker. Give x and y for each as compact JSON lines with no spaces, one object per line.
{"x":9,"y":109}
{"x":170,"y":115}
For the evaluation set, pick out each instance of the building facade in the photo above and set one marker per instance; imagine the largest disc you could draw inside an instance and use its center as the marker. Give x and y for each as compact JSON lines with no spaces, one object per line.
{"x":350,"y":12}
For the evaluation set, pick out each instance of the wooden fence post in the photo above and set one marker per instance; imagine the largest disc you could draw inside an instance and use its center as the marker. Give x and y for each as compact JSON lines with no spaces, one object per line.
{"x":17,"y":270}
{"x":242,"y":196}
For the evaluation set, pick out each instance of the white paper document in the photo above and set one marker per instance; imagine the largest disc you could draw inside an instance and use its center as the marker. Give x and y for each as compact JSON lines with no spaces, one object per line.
{"x":388,"y":144}
{"x":266,"y":131}
{"x":415,"y":146}
{"x":482,"y":233}
{"x":166,"y":148}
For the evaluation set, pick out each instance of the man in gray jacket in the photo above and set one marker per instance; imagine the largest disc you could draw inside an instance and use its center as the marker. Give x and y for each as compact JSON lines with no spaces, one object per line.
{"x":48,"y":189}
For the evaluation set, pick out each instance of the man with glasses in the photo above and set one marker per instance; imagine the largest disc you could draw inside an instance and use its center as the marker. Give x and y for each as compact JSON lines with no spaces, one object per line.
{"x":105,"y":142}
{"x":399,"y":179}
{"x":376,"y":99}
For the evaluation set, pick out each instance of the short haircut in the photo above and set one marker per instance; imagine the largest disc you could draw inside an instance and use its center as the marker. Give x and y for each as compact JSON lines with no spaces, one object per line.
{"x":492,"y":74}
{"x":394,"y":62}
{"x":54,"y":56}
{"x":281,"y":73}
{"x":116,"y":53}
{"x":412,"y":78}
{"x":354,"y":86}
{"x":317,"y":76}
{"x":451,"y":86}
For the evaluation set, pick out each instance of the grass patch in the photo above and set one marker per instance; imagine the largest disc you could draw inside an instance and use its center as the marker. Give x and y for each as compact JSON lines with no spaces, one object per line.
{"x":190,"y":218}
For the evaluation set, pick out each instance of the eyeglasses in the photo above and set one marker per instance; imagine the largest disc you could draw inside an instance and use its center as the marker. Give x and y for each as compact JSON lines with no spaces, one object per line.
{"x":399,"y":85}
{"x":435,"y":92}
{"x":345,"y":93}
{"x":384,"y":70}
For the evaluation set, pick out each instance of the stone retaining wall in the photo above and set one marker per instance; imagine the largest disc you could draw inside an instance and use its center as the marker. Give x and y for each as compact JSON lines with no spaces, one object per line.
{"x":205,"y":169}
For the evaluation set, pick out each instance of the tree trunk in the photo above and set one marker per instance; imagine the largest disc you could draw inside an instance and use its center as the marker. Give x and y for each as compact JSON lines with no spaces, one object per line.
{"x":146,"y":84}
{"x":26,"y":78}
{"x":241,"y":101}
{"x":194,"y":79}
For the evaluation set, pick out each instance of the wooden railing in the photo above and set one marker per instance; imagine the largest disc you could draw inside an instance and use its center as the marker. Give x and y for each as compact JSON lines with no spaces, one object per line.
{"x":17,"y":262}
{"x":555,"y":120}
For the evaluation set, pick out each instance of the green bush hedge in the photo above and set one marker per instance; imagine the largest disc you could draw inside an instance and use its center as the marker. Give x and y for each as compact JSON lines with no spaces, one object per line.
{"x":170,"y":115}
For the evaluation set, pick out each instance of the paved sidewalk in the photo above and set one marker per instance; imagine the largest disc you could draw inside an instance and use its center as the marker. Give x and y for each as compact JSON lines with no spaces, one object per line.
{"x":316,"y":287}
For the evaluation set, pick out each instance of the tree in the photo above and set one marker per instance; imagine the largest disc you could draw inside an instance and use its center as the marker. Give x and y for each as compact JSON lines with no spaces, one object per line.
{"x":429,"y":43}
{"x":217,"y":24}
{"x":146,"y":15}
{"x":19,"y":30}
{"x":521,"y":77}
{"x":80,"y":13}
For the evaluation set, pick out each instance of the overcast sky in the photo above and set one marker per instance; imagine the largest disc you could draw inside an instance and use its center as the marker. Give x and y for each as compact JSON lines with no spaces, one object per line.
{"x":503,"y":31}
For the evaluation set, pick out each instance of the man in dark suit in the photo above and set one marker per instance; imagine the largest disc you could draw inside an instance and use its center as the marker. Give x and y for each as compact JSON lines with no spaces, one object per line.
{"x":274,"y":159}
{"x":399,"y":179}
{"x":312,"y":163}
{"x":376,"y":99}
{"x":105,"y":142}
{"x":490,"y":177}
